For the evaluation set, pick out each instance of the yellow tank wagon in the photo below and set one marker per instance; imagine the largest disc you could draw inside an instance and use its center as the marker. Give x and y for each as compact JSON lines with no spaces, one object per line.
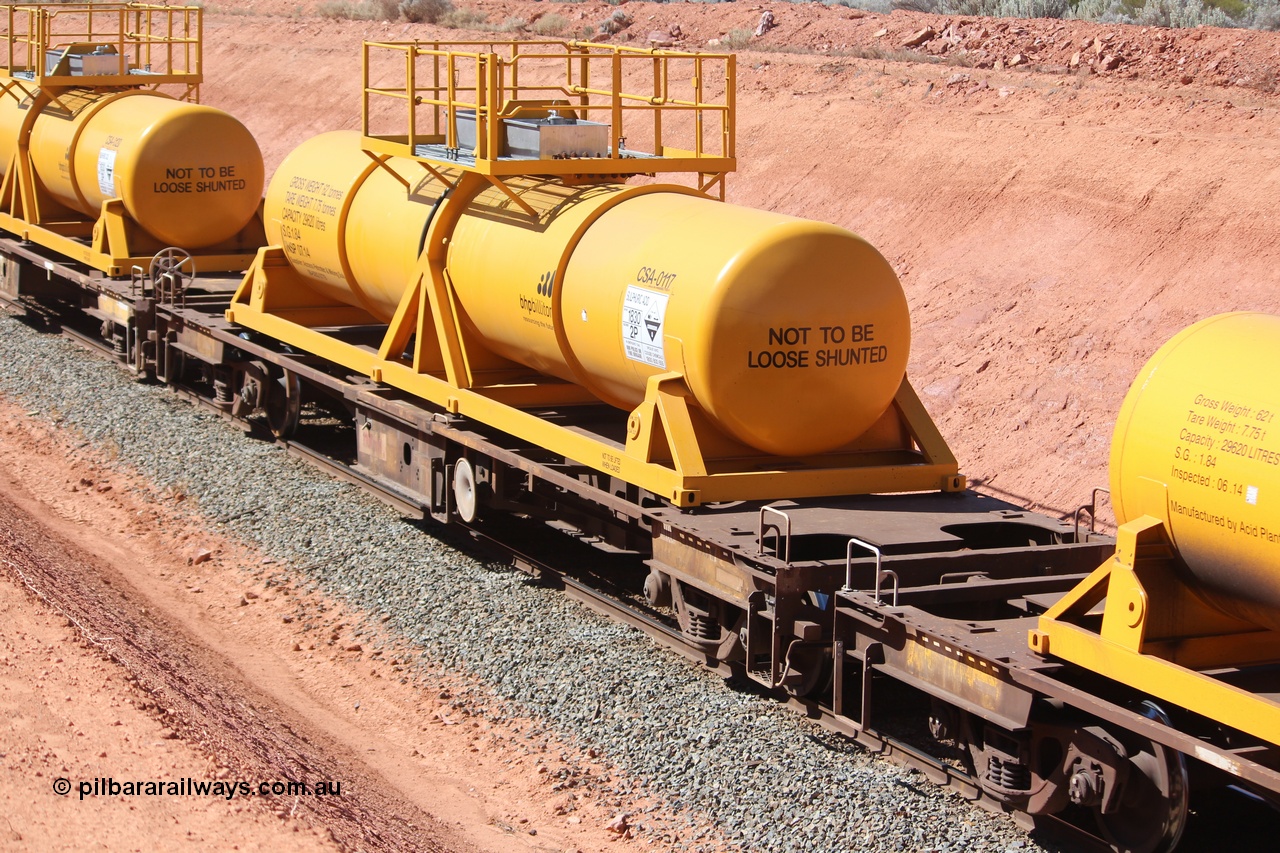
{"x":1192,"y":596}
{"x":102,"y":166}
{"x":754,"y":353}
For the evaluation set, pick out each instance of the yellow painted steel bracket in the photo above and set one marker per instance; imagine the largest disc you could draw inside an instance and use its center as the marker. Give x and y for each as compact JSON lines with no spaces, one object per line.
{"x":1141,"y":588}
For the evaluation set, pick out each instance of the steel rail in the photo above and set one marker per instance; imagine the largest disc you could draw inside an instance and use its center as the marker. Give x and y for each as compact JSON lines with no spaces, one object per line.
{"x":897,"y":750}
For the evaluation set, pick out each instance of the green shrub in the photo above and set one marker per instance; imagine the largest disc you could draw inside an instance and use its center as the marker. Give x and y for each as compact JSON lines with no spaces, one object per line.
{"x":736,"y":39}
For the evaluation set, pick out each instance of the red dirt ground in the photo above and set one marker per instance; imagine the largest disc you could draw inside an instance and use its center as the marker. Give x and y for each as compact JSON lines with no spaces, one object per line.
{"x":128,"y":655}
{"x":1054,"y":219}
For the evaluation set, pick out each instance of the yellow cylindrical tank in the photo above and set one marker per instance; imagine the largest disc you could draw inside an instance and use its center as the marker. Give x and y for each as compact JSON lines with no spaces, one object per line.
{"x":792,"y":335}
{"x":1201,"y":420}
{"x":189,"y":175}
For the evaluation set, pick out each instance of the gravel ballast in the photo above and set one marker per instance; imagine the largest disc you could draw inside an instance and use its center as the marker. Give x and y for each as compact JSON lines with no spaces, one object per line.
{"x":769,"y":779}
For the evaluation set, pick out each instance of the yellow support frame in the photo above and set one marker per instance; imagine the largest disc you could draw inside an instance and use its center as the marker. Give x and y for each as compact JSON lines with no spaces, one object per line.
{"x":1157,"y":636}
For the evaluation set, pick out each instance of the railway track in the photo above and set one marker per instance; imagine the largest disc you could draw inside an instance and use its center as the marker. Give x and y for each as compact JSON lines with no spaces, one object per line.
{"x":533,"y":547}
{"x":551,"y":568}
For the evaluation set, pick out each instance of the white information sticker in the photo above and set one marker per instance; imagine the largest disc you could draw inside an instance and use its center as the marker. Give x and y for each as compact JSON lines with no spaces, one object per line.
{"x":107,"y":172}
{"x":644,"y":313}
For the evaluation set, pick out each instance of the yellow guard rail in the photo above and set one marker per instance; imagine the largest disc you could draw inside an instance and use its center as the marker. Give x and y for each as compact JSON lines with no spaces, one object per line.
{"x":103,"y":44}
{"x":665,"y":111}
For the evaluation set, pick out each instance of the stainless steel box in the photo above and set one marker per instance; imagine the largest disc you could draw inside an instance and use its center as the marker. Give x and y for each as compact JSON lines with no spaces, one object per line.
{"x":540,"y":138}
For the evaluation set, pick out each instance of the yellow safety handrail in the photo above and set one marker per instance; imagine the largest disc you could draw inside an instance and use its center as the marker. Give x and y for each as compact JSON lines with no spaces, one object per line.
{"x":499,"y":79}
{"x":136,"y":44}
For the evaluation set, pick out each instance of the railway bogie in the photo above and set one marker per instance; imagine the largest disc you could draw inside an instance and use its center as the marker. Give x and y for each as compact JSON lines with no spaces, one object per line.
{"x":984,"y":643}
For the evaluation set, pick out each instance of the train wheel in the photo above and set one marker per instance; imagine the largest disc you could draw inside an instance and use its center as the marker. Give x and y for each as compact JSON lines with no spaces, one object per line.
{"x":466,"y":493}
{"x":283,"y":404}
{"x":1153,"y":809}
{"x":251,"y":383}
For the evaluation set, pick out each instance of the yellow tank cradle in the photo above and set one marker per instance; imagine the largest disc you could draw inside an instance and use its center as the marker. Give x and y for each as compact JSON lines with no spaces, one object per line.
{"x":1158,"y":637}
{"x":57,"y":56}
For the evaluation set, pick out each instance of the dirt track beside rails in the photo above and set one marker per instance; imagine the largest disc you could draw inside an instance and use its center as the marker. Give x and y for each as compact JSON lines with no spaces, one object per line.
{"x":138,"y":646}
{"x":1051,"y":226}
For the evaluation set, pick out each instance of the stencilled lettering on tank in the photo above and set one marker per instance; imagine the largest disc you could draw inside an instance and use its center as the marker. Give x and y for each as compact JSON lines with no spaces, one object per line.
{"x":852,"y":345}
{"x":644,"y":318}
{"x":181,"y":180}
{"x":1235,"y":525}
{"x":656,"y":278}
{"x":311,"y":204}
{"x":1215,"y":436}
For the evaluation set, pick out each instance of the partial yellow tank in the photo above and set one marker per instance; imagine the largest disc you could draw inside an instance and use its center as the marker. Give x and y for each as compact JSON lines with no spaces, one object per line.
{"x":189,"y":175}
{"x":1197,"y":445}
{"x":792,"y":335}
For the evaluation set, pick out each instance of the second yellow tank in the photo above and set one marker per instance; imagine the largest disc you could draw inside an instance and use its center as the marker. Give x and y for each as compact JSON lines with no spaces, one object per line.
{"x":1197,"y":446}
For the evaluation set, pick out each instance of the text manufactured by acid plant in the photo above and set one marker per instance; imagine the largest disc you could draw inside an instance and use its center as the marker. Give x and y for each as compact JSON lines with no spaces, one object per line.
{"x":107,"y":786}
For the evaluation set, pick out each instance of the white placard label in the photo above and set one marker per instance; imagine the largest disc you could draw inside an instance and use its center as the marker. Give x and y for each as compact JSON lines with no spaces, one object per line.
{"x":644,"y":313}
{"x":107,"y":172}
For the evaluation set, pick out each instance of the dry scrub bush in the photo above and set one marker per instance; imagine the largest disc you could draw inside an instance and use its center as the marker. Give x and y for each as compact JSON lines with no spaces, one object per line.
{"x":363,"y":10}
{"x":736,"y":39}
{"x":551,"y":25}
{"x":465,"y":19}
{"x":425,"y":11}
{"x":615,"y":23}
